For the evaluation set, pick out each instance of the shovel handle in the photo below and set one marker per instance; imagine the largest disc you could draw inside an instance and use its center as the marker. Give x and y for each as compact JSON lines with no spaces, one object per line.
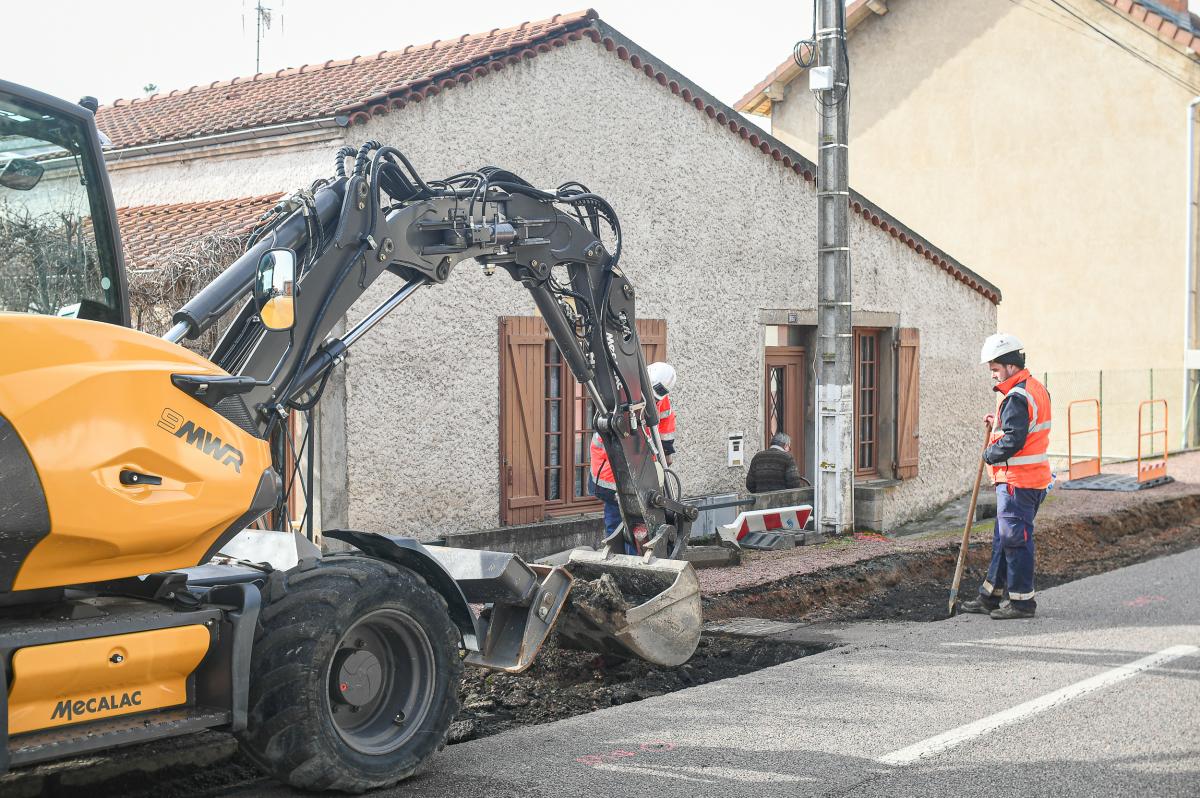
{"x":966,"y":536}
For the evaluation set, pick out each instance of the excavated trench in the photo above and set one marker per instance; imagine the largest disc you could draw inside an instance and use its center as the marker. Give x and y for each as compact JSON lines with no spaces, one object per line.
{"x":915,"y":586}
{"x":563,"y":683}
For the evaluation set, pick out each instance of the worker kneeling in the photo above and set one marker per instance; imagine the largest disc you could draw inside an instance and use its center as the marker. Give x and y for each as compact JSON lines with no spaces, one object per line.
{"x":603,"y":483}
{"x":1021,"y":470}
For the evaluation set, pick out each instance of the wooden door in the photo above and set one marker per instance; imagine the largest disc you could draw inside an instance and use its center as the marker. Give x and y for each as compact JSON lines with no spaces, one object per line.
{"x":783,"y":397}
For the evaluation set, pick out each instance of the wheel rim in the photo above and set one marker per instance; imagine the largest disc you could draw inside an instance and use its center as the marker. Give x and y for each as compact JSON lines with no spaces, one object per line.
{"x":381,"y":682}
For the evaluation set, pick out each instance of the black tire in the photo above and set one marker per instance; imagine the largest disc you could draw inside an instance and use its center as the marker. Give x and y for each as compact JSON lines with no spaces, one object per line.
{"x":354,"y":675}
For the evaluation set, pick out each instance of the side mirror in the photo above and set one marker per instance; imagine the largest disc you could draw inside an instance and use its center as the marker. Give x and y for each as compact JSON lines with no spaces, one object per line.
{"x":275,"y":288}
{"x":21,"y":174}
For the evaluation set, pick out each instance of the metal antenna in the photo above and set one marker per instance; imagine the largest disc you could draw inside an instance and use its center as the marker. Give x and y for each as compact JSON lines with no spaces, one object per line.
{"x":263,"y":14}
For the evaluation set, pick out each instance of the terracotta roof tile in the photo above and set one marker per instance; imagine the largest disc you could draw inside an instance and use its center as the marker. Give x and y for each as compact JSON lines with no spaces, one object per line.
{"x":755,"y":101}
{"x":316,"y":91}
{"x":152,"y":233}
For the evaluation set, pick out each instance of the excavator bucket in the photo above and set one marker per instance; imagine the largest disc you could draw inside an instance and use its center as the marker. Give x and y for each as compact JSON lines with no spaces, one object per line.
{"x":628,"y":606}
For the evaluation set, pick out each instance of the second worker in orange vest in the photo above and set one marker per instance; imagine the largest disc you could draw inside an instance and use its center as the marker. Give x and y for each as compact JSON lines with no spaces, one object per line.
{"x":1020,"y":464}
{"x":603,"y":483}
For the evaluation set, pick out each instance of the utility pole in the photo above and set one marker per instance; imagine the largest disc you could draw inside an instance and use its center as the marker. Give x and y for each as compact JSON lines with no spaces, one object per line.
{"x":835,"y":345}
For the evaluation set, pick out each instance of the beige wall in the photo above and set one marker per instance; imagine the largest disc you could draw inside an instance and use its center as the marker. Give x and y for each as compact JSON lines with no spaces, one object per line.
{"x":1036,"y":152}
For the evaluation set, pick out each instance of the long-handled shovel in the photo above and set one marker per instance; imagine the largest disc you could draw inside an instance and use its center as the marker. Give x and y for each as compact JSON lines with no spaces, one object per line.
{"x":962,"y":550}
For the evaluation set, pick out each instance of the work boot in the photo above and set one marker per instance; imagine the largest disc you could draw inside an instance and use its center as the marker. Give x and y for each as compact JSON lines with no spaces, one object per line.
{"x":1008,"y":612}
{"x":978,"y":606}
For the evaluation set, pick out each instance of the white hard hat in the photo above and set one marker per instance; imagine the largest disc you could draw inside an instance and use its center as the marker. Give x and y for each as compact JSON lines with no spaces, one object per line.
{"x":661,"y":374}
{"x":999,"y":344}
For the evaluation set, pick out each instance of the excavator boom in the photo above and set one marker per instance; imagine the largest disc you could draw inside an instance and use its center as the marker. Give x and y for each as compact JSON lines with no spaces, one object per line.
{"x":383,"y":217}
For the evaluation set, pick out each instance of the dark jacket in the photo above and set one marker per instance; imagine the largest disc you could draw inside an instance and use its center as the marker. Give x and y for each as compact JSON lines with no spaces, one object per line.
{"x":772,"y":469}
{"x":1014,"y":421}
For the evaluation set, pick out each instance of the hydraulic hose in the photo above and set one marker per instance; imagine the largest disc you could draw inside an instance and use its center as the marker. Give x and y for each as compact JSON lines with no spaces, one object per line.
{"x":216,"y":298}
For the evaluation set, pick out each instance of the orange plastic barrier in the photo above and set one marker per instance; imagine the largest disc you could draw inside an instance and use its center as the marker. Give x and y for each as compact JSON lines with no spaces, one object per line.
{"x":1147,"y":472}
{"x":1090,"y":466}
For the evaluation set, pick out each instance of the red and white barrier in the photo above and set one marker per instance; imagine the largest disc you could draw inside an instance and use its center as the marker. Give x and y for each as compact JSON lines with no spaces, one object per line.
{"x":781,"y":519}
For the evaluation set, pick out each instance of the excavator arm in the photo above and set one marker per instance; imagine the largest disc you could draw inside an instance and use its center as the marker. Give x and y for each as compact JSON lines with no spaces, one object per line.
{"x":381,"y":216}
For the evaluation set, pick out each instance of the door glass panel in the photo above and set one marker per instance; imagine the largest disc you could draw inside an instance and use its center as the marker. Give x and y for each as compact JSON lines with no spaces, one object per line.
{"x":583,"y":411}
{"x":776,"y":400}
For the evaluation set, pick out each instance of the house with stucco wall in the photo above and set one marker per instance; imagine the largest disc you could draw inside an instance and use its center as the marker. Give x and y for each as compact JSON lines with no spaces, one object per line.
{"x":456,"y":413}
{"x":1045,"y":142}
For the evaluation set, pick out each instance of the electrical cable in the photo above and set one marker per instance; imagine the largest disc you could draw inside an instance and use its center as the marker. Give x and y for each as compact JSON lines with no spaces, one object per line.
{"x":1129,"y":50}
{"x":845,"y":52}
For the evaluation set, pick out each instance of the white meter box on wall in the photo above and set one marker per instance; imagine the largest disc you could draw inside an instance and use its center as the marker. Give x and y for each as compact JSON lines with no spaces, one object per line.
{"x":737,"y":449}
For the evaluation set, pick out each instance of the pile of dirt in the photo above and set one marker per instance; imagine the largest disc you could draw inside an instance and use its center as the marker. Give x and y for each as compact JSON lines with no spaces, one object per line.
{"x":600,"y":601}
{"x":564,"y":682}
{"x":916,"y":586}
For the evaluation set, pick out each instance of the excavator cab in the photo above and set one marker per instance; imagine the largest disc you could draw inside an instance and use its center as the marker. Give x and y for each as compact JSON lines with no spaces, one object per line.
{"x":60,"y":252}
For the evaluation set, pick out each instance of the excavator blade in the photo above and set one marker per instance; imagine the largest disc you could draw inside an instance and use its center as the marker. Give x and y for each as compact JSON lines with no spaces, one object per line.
{"x":633,"y":607}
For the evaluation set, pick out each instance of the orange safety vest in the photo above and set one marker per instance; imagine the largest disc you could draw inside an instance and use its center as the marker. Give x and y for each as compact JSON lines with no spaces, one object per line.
{"x":666,"y":419}
{"x":602,"y":473}
{"x":1030,"y":467}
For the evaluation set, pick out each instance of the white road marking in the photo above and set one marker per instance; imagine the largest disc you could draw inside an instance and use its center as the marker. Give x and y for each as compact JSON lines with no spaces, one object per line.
{"x":708,"y":775}
{"x":941,"y":742}
{"x":748,"y":776}
{"x":651,"y":772}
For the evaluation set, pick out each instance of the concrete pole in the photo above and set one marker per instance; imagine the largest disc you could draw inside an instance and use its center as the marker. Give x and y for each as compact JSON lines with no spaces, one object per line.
{"x":835,"y":337}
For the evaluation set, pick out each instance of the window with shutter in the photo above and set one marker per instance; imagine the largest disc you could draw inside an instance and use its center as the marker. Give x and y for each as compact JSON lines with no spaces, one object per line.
{"x":546,"y":422}
{"x":866,"y":402}
{"x":908,"y":412}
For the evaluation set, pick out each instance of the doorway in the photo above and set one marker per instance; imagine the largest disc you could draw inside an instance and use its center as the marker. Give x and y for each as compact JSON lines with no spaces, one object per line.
{"x":783,"y":397}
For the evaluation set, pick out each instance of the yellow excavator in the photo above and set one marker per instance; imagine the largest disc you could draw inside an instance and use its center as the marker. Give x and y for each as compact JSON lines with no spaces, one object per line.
{"x":127,"y":462}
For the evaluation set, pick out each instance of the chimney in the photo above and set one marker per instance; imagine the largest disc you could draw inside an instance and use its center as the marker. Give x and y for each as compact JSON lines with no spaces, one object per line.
{"x":1174,"y":7}
{"x":1174,"y":10}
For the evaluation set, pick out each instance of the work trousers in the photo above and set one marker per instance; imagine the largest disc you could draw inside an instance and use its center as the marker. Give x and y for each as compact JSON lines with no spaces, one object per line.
{"x":612,"y":511}
{"x":1011,"y":570}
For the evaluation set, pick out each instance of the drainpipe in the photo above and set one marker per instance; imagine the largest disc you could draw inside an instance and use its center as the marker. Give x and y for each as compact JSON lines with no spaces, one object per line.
{"x":1190,"y":291}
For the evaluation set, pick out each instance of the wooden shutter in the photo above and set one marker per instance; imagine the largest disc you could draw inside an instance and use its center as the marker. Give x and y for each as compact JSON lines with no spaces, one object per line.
{"x":653,"y":335}
{"x":522,"y":455}
{"x":908,"y":413}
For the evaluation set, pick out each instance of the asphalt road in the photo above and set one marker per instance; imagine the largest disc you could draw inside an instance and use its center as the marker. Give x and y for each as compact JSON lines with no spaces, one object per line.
{"x":1098,"y":695}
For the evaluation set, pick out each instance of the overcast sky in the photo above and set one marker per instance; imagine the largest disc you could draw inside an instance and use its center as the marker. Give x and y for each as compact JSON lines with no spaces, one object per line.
{"x":113,"y":49}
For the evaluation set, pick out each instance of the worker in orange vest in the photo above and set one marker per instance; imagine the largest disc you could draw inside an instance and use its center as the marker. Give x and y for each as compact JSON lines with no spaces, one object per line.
{"x":603,"y":483}
{"x":1020,"y":464}
{"x":662,"y":378}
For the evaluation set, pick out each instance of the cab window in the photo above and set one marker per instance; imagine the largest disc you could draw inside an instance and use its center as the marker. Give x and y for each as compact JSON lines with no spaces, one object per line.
{"x":56,"y":256}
